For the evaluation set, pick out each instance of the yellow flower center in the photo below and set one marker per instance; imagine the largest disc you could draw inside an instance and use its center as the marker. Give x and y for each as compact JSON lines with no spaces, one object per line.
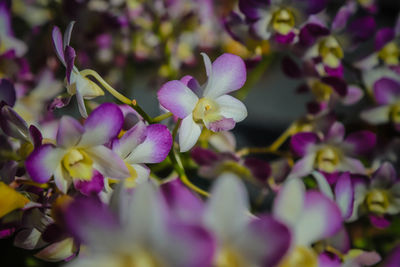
{"x":330,"y":51}
{"x":206,"y":110}
{"x":300,"y":256}
{"x":390,"y":53}
{"x":321,"y":91}
{"x":229,"y":257}
{"x":327,"y":159}
{"x":131,"y":180}
{"x":139,"y":258}
{"x":395,"y":113}
{"x":283,"y":21}
{"x":377,"y":201}
{"x":78,"y":164}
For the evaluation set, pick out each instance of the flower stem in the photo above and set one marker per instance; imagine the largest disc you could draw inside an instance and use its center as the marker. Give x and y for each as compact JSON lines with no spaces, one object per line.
{"x":162,"y":117}
{"x":116,"y":94}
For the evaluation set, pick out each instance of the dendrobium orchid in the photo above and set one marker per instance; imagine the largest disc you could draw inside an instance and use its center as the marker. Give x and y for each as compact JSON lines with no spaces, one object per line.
{"x":76,"y":82}
{"x":136,"y":230}
{"x":331,"y":154}
{"x":310,"y":216}
{"x":242,"y":240}
{"x":210,"y":104}
{"x":79,"y":150}
{"x":142,"y":144}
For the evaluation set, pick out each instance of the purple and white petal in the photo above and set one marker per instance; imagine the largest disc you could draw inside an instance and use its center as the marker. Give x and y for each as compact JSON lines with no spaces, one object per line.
{"x":301,"y":142}
{"x":81,"y":104}
{"x":352,"y":165}
{"x":303,"y":166}
{"x":189,"y":133}
{"x":62,"y":178}
{"x":192,"y":84}
{"x":386,"y":91}
{"x":108,"y":162}
{"x":43,"y":161}
{"x":58,"y":251}
{"x":35,"y":136}
{"x":320,"y":218}
{"x":354,"y":94}
{"x":69,"y":132}
{"x":361,"y":142}
{"x":103,"y":124}
{"x":323,"y":184}
{"x":336,"y":132}
{"x":384,"y":177}
{"x":344,"y":194}
{"x":177,"y":98}
{"x":69,"y":61}
{"x":253,"y":9}
{"x":67,"y":34}
{"x":207,"y":64}
{"x":58,"y":44}
{"x":154,"y":148}
{"x":231,"y":107}
{"x":327,"y":259}
{"x":223,"y":124}
{"x":378,"y":115}
{"x":13,"y":125}
{"x":92,"y":187}
{"x":227,"y":208}
{"x":228,"y":75}
{"x":382,"y":37}
{"x":288,"y":204}
{"x":130,"y":140}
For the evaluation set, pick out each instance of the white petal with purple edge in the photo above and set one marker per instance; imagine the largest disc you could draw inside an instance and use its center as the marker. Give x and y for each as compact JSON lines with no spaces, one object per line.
{"x":303,"y":166}
{"x":81,"y":105}
{"x":143,"y":173}
{"x":67,"y":34}
{"x":228,"y":75}
{"x":289,"y":202}
{"x":189,"y":133}
{"x":108,"y":162}
{"x":43,"y":161}
{"x":227,"y":208}
{"x":323,"y":184}
{"x":154,"y":148}
{"x":58,"y":251}
{"x":58,"y":44}
{"x":103,"y":124}
{"x":231,"y":107}
{"x":320,"y":218}
{"x":177,"y":98}
{"x":130,"y":140}
{"x":344,"y":193}
{"x":69,"y":132}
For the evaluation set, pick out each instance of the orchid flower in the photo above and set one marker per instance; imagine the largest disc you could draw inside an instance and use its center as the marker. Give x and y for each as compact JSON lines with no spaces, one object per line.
{"x":378,"y":197}
{"x":76,"y":83}
{"x":142,"y":144}
{"x":214,"y":108}
{"x":387,"y":96}
{"x":136,"y":231}
{"x":278,"y":19}
{"x":310,"y":216}
{"x":242,"y":240}
{"x":333,"y":153}
{"x":79,"y":150}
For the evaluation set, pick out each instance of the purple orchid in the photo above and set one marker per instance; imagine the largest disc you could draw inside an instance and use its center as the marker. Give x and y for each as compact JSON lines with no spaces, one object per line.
{"x":136,"y":229}
{"x":311,"y":217}
{"x":241,"y":239}
{"x":210,"y":104}
{"x":79,"y":150}
{"x":279,"y":19}
{"x":378,"y":196}
{"x":331,"y":154}
{"x":387,"y":96}
{"x":76,"y":83}
{"x":142,"y":144}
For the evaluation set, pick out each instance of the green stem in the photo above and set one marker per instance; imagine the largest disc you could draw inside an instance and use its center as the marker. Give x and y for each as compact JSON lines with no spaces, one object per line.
{"x":116,"y":94}
{"x":162,"y":117}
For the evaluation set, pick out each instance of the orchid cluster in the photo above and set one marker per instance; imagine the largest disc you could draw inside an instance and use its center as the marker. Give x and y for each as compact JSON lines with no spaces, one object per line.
{"x":90,"y":177}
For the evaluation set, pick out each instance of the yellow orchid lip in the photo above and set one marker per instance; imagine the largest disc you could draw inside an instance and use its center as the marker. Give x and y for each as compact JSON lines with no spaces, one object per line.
{"x":330,"y":51}
{"x":377,"y":201}
{"x":283,"y":21}
{"x":78,"y":164}
{"x":390,"y":53}
{"x":327,"y":159}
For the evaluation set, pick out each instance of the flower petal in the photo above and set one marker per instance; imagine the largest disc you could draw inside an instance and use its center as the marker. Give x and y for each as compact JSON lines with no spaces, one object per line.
{"x":301,"y":142}
{"x":207,"y":64}
{"x":42,"y":162}
{"x":108,"y":162}
{"x":69,"y":132}
{"x":386,"y":91}
{"x":382,"y":37}
{"x":189,"y":133}
{"x":62,"y":179}
{"x":354,"y":94}
{"x":303,"y":166}
{"x":378,"y":115}
{"x":362,"y":142}
{"x":231,"y":107}
{"x":289,"y":202}
{"x":228,"y":75}
{"x":336,"y":132}
{"x":103,"y":124}
{"x":69,"y":60}
{"x":320,"y":218}
{"x":177,"y":98}
{"x":223,"y":124}
{"x":227,"y":208}
{"x":58,"y":44}
{"x":384,"y":177}
{"x":130,"y":140}
{"x":67,"y":34}
{"x":92,"y":187}
{"x":155,"y":147}
{"x":344,"y":193}
{"x":81,"y":104}
{"x":58,"y":251}
{"x":7,"y":92}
